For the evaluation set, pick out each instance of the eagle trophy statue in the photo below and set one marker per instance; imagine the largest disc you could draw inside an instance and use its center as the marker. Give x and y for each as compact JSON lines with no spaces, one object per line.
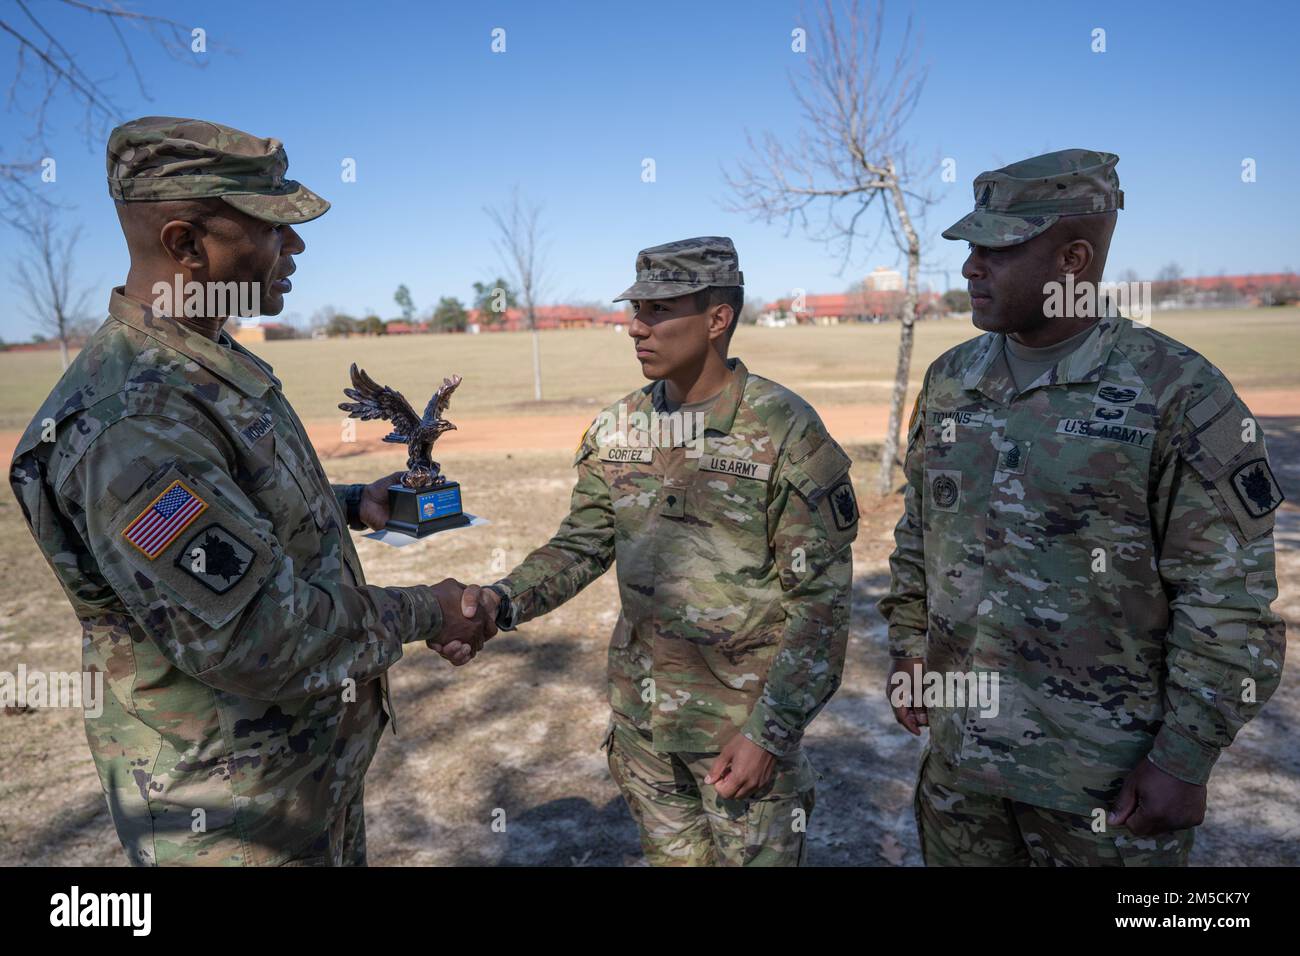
{"x":371,"y":401}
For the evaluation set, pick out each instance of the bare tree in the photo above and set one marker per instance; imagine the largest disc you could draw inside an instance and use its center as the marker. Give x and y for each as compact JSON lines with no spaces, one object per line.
{"x":47,"y":69}
{"x":1168,"y":283}
{"x":851,"y":151}
{"x":45,"y":277}
{"x":519,"y":225}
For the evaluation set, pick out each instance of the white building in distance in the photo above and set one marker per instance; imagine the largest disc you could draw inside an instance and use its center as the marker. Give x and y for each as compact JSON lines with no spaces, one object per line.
{"x":884,"y":280}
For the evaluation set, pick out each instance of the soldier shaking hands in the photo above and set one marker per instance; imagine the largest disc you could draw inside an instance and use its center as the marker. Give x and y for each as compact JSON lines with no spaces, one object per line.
{"x":729,"y":513}
{"x":175,"y":494}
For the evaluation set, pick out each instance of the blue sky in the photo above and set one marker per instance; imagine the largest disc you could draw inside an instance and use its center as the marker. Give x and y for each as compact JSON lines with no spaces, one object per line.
{"x":440,"y":126}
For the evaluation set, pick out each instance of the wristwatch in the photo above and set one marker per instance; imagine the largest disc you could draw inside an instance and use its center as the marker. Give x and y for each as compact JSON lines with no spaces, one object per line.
{"x":352,"y":503}
{"x":505,"y":610}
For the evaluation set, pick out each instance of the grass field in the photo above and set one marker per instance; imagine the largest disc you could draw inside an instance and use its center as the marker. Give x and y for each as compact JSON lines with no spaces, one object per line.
{"x":589,"y":368}
{"x":518,"y":728}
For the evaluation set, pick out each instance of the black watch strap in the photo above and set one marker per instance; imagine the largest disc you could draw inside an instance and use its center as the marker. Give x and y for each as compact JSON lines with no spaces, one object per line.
{"x":505,"y":610}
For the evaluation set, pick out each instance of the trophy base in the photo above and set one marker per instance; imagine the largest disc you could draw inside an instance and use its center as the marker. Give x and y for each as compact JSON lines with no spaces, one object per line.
{"x":422,"y":513}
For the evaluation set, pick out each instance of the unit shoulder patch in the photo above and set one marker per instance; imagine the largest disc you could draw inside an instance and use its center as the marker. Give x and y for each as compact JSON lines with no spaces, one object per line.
{"x":1256,"y":488}
{"x":844,"y":505}
{"x":216,"y":558}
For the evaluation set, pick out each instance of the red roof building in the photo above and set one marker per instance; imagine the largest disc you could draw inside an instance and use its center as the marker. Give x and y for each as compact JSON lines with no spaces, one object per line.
{"x":834,"y":308}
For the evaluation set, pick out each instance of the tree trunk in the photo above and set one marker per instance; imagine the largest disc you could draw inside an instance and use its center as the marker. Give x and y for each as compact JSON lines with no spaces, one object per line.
{"x":889,"y":450}
{"x":537,"y":359}
{"x":63,"y":351}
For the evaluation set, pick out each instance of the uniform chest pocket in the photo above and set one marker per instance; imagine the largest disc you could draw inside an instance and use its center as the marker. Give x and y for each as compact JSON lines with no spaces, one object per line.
{"x":1094,"y":474}
{"x":281,"y":486}
{"x":634,"y":486}
{"x":731,"y":495}
{"x":953,"y":437}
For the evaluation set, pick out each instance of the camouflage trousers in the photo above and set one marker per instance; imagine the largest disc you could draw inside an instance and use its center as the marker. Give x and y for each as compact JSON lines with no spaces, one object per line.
{"x":960,"y":828}
{"x":343,"y":842}
{"x":682,"y":820}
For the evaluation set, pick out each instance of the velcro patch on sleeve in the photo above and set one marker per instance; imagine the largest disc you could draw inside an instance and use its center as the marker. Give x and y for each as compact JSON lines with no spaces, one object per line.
{"x":216,"y":557}
{"x":584,"y":447}
{"x":213,"y":559}
{"x":827,"y":463}
{"x":844,"y":505}
{"x":1247,"y":496}
{"x":1256,"y":488}
{"x":914,"y":423}
{"x":161,"y":522}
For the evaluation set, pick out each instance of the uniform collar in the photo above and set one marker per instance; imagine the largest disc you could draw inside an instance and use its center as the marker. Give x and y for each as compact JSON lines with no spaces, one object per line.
{"x":990,"y":375}
{"x":230,"y":362}
{"x":723,"y":414}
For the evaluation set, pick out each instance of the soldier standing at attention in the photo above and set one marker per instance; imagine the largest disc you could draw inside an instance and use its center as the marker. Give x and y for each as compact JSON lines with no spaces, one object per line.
{"x":734,"y":570}
{"x":1088,"y":516}
{"x":175,"y":494}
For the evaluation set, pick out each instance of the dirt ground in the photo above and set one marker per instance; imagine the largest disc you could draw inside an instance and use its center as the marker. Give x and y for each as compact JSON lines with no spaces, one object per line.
{"x":517,"y":731}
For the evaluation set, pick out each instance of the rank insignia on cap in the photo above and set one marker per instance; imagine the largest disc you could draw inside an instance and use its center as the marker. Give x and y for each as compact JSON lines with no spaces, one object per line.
{"x":166,"y":517}
{"x":216,"y":558}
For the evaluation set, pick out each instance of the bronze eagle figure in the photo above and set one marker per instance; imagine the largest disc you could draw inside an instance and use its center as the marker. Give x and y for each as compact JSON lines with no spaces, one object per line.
{"x":371,"y":401}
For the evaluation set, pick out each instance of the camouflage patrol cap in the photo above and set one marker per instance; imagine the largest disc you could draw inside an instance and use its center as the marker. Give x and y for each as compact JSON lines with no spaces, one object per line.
{"x":1017,"y":202}
{"x":164,"y":157}
{"x":688,"y":265}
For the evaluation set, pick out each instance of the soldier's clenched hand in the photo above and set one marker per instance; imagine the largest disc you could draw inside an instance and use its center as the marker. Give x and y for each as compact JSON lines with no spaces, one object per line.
{"x":465,"y":624}
{"x":741,"y":768}
{"x":474,"y":602}
{"x":374,"y":501}
{"x":1152,"y":801}
{"x":907,"y":711}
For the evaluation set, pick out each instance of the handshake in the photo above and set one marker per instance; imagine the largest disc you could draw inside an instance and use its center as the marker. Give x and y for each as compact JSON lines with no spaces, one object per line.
{"x":469,"y":620}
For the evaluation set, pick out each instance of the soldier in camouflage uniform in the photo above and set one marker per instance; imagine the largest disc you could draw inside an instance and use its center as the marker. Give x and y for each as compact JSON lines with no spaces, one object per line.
{"x":732,"y":545}
{"x":182,"y":508}
{"x":1088,"y":515}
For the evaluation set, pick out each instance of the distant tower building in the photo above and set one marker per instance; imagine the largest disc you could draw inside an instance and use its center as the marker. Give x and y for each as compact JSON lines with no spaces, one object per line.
{"x":884,"y":280}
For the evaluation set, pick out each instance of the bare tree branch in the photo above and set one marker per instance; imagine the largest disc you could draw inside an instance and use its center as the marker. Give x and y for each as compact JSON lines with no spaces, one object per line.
{"x":45,"y":277}
{"x":47,"y":72}
{"x":850,"y":149}
{"x":520,"y":246}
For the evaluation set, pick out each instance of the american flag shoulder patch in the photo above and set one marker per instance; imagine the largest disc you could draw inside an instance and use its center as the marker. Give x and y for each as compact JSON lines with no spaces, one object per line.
{"x":166,"y":517}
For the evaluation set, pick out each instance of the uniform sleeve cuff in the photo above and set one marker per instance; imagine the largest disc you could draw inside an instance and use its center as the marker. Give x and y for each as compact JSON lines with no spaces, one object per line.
{"x":906,"y":642}
{"x":1180,"y":756}
{"x":504,"y":586}
{"x":427,"y":614}
{"x":351,"y":497}
{"x":764,"y":729}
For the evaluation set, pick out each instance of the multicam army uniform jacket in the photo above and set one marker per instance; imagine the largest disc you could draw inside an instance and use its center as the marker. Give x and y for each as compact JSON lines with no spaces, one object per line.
{"x":1102,"y":541}
{"x":175,"y":494}
{"x":733,"y":559}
